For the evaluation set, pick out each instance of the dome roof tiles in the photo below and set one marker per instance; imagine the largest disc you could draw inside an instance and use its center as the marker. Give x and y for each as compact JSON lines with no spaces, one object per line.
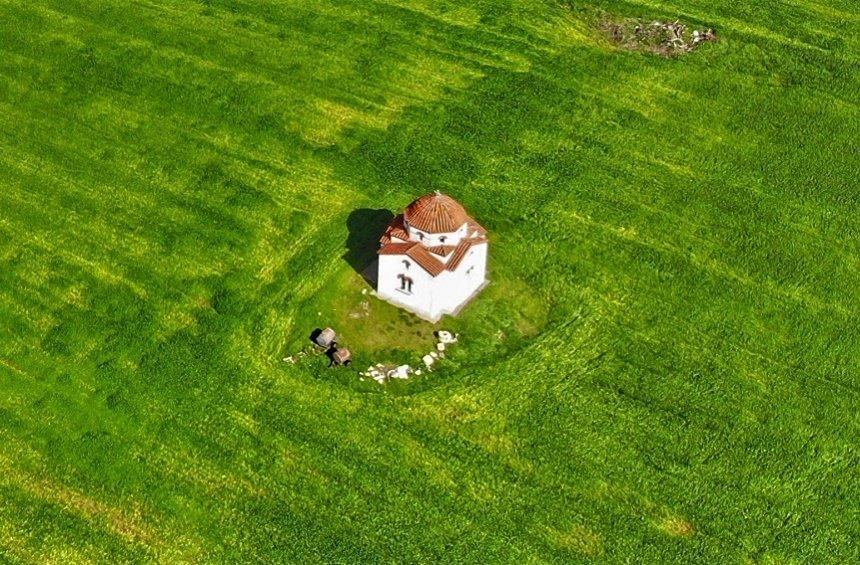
{"x":436,"y":213}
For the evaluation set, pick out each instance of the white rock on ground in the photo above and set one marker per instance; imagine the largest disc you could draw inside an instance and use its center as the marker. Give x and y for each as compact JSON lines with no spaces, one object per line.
{"x":379,"y":373}
{"x":446,"y":336}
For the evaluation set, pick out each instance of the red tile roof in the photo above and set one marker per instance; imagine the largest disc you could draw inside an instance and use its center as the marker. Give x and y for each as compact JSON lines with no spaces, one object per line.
{"x":417,"y":253}
{"x":459,"y":253}
{"x":400,"y":233}
{"x":397,"y":248}
{"x":425,"y":257}
{"x":476,"y":227}
{"x":395,"y":230}
{"x":436,"y":213}
{"x":426,"y":260}
{"x":443,"y":250}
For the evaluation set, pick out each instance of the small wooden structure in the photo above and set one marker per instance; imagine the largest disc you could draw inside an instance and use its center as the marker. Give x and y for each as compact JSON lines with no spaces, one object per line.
{"x":325,"y":338}
{"x":341,"y":356}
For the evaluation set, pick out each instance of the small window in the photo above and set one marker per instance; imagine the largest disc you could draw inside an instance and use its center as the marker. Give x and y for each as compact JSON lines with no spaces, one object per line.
{"x":442,"y":239}
{"x":421,"y":236}
{"x":406,"y":264}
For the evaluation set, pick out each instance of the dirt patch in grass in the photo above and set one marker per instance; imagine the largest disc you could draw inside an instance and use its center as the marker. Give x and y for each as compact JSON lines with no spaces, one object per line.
{"x":664,"y":38}
{"x":677,"y":527}
{"x":577,"y":538}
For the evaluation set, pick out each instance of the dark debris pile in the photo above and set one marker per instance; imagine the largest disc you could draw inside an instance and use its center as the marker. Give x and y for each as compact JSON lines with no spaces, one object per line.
{"x":662,"y":38}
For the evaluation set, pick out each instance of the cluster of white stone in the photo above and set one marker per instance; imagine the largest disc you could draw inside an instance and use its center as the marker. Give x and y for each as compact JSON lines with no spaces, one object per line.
{"x":382,"y":374}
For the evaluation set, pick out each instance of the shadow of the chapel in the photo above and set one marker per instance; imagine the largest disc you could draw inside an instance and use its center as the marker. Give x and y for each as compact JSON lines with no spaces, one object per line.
{"x":365,"y":226}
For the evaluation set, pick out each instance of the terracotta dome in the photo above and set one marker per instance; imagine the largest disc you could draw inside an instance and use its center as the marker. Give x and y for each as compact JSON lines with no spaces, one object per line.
{"x":436,"y":213}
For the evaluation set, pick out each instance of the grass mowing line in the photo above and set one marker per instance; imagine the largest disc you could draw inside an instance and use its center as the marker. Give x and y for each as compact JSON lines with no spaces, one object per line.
{"x":731,"y":23}
{"x":128,"y":524}
{"x":713,"y":266}
{"x":327,"y":110}
{"x":99,"y":270}
{"x":500,"y":459}
{"x":831,"y":12}
{"x":9,"y":365}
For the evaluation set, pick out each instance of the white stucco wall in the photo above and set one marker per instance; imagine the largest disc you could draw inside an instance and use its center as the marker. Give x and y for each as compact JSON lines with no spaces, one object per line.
{"x":432,"y":297}
{"x":434,"y":239}
{"x":388,"y":284}
{"x":462,"y":283}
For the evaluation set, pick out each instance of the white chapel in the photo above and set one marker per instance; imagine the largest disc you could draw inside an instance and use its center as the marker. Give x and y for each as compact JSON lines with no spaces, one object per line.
{"x":432,"y":258}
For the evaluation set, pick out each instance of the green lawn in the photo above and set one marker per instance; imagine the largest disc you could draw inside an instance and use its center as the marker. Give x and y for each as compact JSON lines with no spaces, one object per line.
{"x":665,"y":367}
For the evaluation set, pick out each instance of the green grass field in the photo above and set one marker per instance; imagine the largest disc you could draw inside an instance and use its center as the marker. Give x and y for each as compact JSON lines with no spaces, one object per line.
{"x":665,"y":367}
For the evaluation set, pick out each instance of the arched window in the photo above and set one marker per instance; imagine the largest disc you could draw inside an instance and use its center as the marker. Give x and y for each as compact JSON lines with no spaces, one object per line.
{"x":406,"y":264}
{"x":421,"y":236}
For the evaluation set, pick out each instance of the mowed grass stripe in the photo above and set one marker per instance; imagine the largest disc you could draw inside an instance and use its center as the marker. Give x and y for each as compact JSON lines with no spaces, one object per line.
{"x":660,"y":370}
{"x":285,"y":90}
